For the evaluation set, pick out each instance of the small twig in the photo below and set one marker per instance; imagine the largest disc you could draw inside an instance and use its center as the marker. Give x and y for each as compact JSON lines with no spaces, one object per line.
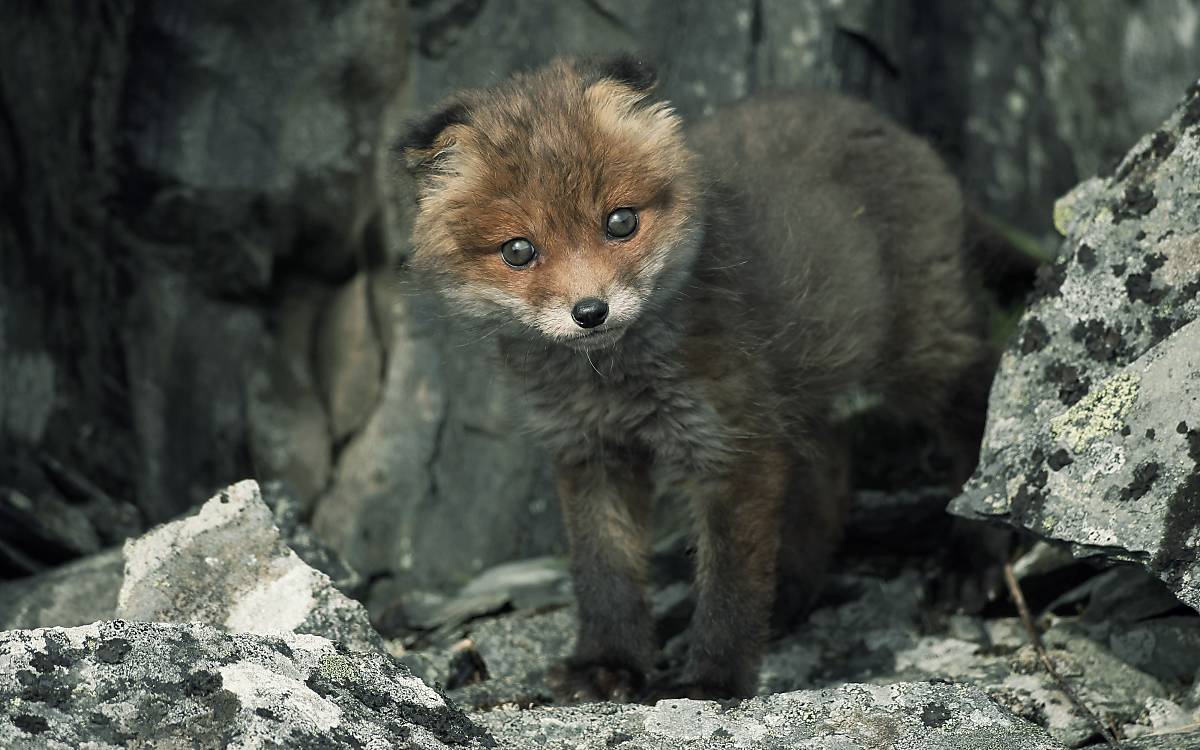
{"x":1018,"y":597}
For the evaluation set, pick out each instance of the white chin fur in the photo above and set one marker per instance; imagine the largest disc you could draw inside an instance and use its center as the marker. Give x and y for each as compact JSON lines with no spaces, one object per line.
{"x":597,"y":338}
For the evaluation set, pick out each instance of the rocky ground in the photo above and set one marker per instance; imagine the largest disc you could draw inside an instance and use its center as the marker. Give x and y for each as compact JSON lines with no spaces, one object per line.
{"x":277,"y":656}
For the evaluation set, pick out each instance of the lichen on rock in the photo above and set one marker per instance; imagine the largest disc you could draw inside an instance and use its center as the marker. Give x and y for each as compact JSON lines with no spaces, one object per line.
{"x":1118,"y":343}
{"x":1099,"y":413}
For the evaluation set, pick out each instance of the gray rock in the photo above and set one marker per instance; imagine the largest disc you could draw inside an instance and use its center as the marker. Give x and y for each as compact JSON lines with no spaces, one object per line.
{"x":248,"y":151}
{"x":1125,"y":594}
{"x":851,"y":717}
{"x":525,"y":644}
{"x":1027,"y":94}
{"x":290,"y":436}
{"x":120,"y":684}
{"x":1177,"y":740}
{"x":114,"y":520}
{"x":227,"y":565}
{"x":854,"y":640}
{"x":349,"y":357}
{"x":188,"y":439}
{"x":1166,"y":647}
{"x":1008,"y":669}
{"x":517,"y":650}
{"x":286,"y":512}
{"x":438,"y":466}
{"x":86,"y":590}
{"x":74,"y":594}
{"x":522,"y":585}
{"x":1093,"y":430}
{"x":56,"y":527}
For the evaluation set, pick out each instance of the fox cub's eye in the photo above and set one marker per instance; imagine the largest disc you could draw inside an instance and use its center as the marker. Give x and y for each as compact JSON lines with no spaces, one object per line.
{"x":518,"y":252}
{"x":621,"y":223}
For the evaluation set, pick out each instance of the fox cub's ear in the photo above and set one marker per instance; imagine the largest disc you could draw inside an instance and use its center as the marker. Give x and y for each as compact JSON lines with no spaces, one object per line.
{"x":634,"y":72}
{"x":416,"y":146}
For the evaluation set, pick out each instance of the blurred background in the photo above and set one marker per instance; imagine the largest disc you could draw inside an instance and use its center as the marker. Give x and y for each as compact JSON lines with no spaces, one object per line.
{"x":201,"y":221}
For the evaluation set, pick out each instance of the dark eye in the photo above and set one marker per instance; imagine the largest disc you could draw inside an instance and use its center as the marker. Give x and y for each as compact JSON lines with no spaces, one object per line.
{"x":518,"y":252}
{"x":621,"y":223}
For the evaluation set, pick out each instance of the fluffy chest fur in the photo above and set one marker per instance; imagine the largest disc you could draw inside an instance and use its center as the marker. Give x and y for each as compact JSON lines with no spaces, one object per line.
{"x":639,"y":396}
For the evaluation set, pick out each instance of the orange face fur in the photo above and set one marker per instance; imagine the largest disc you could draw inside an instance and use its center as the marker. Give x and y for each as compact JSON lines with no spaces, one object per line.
{"x":547,"y":157}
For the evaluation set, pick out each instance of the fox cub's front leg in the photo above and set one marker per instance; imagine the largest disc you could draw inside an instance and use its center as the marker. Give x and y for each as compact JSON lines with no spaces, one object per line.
{"x":606,"y":508}
{"x":737,"y":516}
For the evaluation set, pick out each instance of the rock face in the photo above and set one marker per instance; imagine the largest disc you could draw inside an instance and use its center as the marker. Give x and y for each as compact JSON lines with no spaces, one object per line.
{"x":897,"y":717}
{"x":202,"y":188}
{"x":120,"y":684}
{"x":75,"y":594}
{"x":227,"y":565}
{"x":1093,"y":432}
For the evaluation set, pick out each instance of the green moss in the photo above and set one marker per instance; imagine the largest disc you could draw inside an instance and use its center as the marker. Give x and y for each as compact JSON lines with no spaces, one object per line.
{"x":1099,"y":414}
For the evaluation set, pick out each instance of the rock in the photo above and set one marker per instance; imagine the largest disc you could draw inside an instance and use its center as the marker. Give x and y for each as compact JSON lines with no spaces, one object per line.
{"x":1125,"y":594}
{"x":86,"y":590}
{"x":1043,"y":558}
{"x":528,"y":584}
{"x":875,"y":517}
{"x":286,"y":511}
{"x":1093,"y":430}
{"x":515,"y":651}
{"x":1166,"y":741}
{"x":290,"y":436}
{"x":349,"y":357}
{"x":902,"y":716}
{"x":295,"y":173}
{"x":77,"y":593}
{"x":1167,"y":647}
{"x":189,"y":439}
{"x":437,"y":467}
{"x":46,"y":531}
{"x":246,"y":160}
{"x":228,"y":566}
{"x":147,"y":267}
{"x":522,"y":585}
{"x":855,"y":638}
{"x":120,"y":684}
{"x":114,"y":520}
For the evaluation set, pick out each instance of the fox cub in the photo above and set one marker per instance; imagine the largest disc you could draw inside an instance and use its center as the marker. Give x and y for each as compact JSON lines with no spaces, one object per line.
{"x":680,"y":311}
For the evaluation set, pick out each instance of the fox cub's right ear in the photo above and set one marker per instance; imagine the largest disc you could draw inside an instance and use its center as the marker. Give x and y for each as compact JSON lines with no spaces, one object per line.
{"x":417,"y":145}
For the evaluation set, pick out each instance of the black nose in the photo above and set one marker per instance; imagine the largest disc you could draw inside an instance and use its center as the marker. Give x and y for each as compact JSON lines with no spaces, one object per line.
{"x":590,"y":312}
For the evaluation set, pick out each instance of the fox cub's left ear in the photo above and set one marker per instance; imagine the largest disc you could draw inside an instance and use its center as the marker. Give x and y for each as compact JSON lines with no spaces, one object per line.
{"x":417,"y":145}
{"x":630,"y":70}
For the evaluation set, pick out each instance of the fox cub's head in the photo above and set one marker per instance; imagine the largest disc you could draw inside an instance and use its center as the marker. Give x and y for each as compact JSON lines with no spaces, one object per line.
{"x":561,"y":203}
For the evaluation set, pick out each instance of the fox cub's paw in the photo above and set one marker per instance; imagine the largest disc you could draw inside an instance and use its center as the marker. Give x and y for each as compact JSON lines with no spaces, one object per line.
{"x":576,"y":682}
